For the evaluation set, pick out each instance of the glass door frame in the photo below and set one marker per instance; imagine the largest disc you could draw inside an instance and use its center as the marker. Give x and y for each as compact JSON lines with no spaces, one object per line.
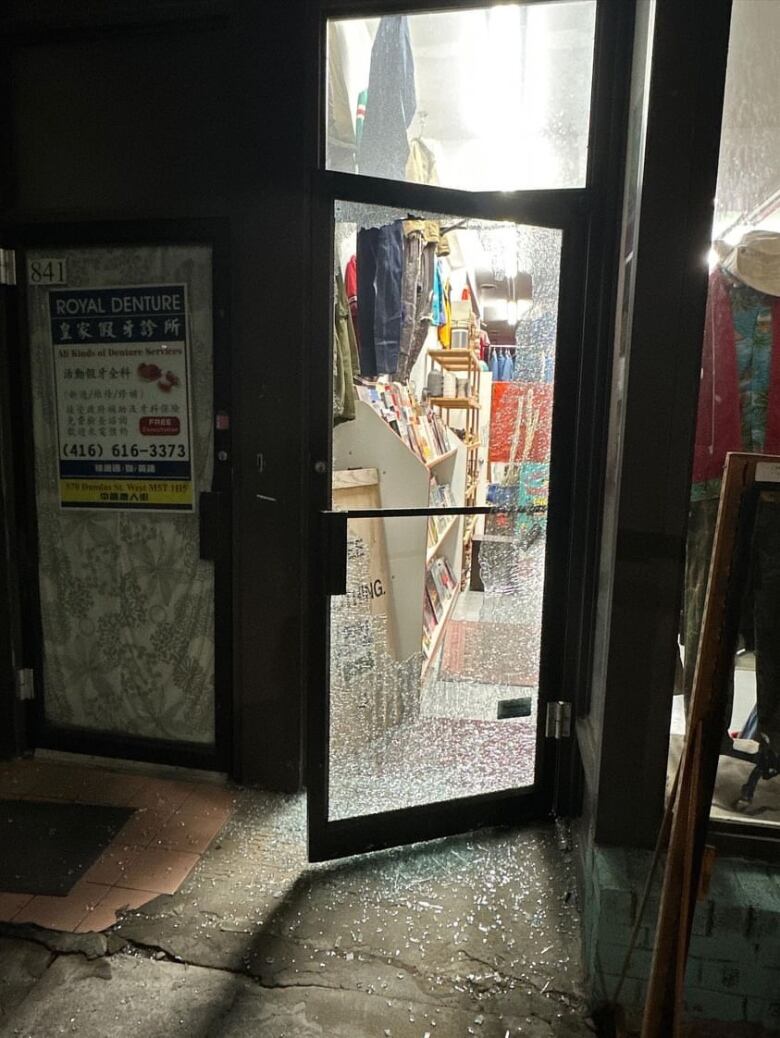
{"x":590,"y":218}
{"x":564,"y":210}
{"x":214,"y":520}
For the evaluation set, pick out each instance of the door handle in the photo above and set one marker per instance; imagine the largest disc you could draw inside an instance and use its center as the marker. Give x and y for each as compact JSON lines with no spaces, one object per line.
{"x":333,"y":535}
{"x":333,"y":528}
{"x":412,"y":513}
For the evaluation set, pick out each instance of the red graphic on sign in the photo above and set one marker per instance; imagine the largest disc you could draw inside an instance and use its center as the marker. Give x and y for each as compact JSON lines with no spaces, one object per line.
{"x":150,"y":426}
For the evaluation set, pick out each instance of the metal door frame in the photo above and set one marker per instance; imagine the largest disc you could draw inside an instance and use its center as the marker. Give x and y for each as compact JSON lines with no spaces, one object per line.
{"x":589,"y":218}
{"x":562,"y":210}
{"x":12,"y":710}
{"x":39,"y":732}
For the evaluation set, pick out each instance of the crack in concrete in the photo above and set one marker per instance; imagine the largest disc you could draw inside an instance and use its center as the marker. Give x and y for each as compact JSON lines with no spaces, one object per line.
{"x":570,"y":999}
{"x":113,"y":945}
{"x":428,"y":999}
{"x":104,"y":946}
{"x":56,"y":942}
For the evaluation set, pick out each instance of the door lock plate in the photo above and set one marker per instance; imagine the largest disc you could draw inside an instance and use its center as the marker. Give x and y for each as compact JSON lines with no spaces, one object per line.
{"x":25,"y":683}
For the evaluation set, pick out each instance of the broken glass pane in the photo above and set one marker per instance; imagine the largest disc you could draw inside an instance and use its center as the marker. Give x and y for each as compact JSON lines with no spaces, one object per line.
{"x":435,"y":648}
{"x":493,"y":98}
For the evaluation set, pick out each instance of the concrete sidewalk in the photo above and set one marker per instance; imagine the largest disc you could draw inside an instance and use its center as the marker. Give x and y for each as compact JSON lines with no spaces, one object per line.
{"x":471,"y":935}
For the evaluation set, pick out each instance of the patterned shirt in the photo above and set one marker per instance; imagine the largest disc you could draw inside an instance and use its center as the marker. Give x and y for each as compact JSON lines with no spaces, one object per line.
{"x":752,"y":316}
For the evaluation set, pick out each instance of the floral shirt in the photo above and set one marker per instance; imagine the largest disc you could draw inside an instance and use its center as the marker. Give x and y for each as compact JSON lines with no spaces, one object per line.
{"x":752,"y":315}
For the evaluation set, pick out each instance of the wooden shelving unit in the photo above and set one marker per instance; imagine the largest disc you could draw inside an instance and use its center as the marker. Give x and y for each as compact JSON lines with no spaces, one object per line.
{"x":404,"y":481}
{"x":463,"y":362}
{"x":435,"y":547}
{"x":430,"y":653}
{"x":455,"y":403}
{"x":434,"y":462}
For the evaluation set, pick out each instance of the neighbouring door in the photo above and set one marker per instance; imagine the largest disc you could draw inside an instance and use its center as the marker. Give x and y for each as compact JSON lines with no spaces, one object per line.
{"x":131,"y":474}
{"x":456,"y":201}
{"x":11,"y":637}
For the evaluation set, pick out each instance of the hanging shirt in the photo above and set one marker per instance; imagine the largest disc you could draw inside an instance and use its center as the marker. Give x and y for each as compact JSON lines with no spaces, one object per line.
{"x":739,"y":395}
{"x":341,"y":133}
{"x":360,"y":116}
{"x":351,"y":288}
{"x":495,"y":366}
{"x":438,"y":315}
{"x":421,"y":164}
{"x":345,"y":360}
{"x":445,"y":326}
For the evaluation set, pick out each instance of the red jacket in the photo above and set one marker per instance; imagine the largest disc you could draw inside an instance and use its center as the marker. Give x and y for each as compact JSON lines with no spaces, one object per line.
{"x":719,"y":420}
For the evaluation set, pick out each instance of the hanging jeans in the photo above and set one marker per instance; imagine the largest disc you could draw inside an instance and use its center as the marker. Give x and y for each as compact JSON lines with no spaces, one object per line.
{"x":416,"y":302}
{"x":380,"y":260}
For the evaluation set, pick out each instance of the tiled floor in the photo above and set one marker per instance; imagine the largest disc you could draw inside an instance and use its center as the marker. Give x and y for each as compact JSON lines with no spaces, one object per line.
{"x":173,"y":825}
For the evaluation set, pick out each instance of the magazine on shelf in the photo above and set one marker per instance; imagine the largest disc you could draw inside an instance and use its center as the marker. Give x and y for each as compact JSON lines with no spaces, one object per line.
{"x":429,"y":618}
{"x":440,"y":496}
{"x":438,"y":583}
{"x":421,"y":429}
{"x":443,"y":578}
{"x":437,"y":603}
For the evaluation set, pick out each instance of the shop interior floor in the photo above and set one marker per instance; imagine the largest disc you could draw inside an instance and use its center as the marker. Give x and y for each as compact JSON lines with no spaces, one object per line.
{"x":732,"y":774}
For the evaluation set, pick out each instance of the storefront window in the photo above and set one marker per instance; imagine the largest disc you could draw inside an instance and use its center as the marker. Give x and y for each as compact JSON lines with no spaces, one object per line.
{"x":495,"y":98}
{"x":739,"y":410}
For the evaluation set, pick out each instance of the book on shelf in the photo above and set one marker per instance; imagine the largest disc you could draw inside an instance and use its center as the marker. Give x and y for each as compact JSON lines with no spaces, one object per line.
{"x":422,"y":443}
{"x":438,"y":583}
{"x":437,"y":604}
{"x":440,"y":496}
{"x":429,"y":623}
{"x":420,"y":428}
{"x":443,"y":578}
{"x":440,"y":588}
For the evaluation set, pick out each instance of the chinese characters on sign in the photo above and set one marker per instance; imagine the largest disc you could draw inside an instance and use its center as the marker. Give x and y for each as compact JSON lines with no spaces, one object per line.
{"x":121,"y":376}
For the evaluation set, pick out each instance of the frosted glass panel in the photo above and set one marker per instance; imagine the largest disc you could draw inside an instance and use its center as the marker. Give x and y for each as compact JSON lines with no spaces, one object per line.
{"x":127,"y":604}
{"x":496,"y":98}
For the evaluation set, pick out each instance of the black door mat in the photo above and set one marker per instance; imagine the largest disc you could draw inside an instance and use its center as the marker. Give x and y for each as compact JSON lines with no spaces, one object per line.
{"x":45,"y":847}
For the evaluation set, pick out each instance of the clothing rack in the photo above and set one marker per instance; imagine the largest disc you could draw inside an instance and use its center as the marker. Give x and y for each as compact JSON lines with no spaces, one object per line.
{"x":500,"y":359}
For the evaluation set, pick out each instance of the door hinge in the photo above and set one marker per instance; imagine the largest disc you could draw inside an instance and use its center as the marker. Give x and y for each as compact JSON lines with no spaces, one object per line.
{"x":25,"y":683}
{"x":7,"y":267}
{"x":558,"y":723}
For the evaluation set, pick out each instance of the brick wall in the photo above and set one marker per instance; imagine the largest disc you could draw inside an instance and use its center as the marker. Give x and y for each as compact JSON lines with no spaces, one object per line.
{"x":734,"y":963}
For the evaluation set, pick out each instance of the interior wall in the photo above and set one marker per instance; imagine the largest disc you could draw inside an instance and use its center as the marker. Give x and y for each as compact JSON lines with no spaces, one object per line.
{"x":197,"y":121}
{"x":750,"y":142}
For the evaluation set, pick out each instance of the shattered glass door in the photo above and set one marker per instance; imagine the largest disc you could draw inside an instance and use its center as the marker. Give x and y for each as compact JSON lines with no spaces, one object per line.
{"x":444,"y":383}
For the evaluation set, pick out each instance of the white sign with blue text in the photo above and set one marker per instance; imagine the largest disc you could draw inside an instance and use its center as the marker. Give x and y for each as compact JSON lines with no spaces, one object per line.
{"x":122,"y":385}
